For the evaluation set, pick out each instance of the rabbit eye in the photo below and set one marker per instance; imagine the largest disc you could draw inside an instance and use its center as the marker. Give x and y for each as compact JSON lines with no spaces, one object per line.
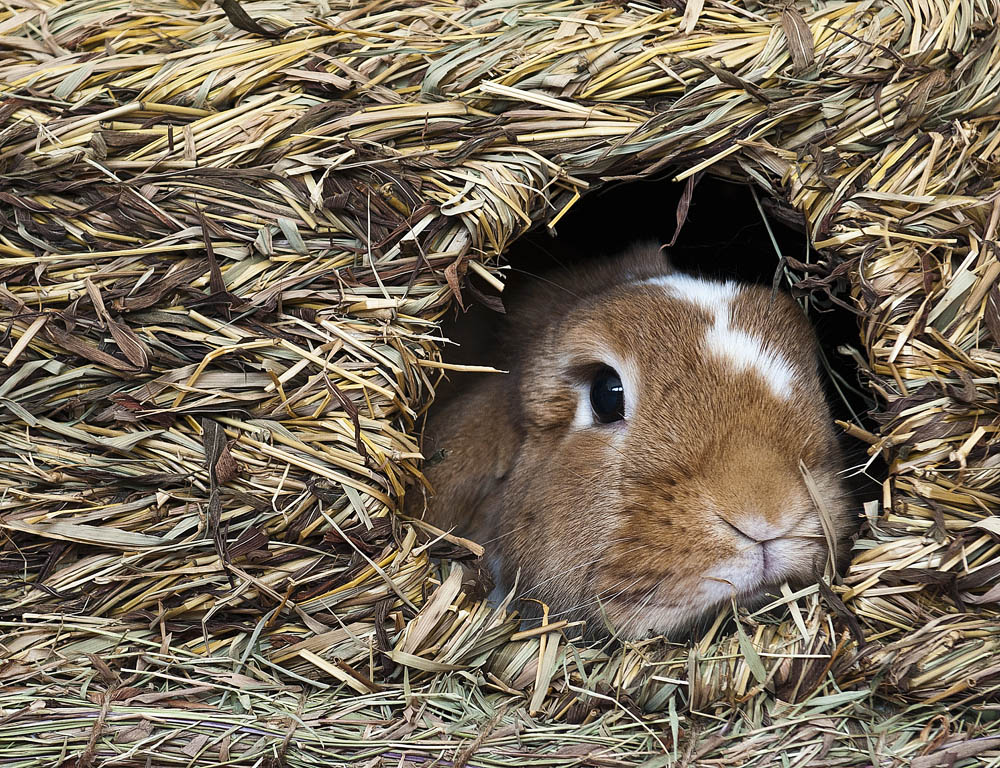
{"x":607,"y":396}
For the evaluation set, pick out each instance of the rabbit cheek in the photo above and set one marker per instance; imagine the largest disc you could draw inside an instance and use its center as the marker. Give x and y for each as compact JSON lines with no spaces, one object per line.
{"x":660,"y":553}
{"x":561,"y":512}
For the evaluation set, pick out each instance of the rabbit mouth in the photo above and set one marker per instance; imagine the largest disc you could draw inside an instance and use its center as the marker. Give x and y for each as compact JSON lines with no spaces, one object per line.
{"x":750,"y":577}
{"x":764,"y":565}
{"x":777,"y":563}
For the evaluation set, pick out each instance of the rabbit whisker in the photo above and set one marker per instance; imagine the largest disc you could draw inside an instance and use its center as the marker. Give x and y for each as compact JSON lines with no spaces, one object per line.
{"x":561,"y":574}
{"x":641,"y":605}
{"x":597,"y":598}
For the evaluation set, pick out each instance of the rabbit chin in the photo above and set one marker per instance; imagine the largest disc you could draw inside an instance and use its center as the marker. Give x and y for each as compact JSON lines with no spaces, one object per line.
{"x":748,"y":579}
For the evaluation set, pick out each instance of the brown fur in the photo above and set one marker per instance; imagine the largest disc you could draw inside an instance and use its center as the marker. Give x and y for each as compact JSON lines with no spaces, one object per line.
{"x":636,"y":520}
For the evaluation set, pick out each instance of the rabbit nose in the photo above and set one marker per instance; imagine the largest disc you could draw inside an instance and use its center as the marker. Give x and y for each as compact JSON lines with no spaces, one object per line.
{"x":755,"y":526}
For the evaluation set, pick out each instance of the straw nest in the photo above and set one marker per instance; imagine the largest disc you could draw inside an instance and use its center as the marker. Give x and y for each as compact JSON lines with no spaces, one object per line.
{"x":228,"y":234}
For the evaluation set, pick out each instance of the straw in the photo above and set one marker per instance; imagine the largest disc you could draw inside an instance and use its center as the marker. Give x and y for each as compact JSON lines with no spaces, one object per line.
{"x":228,"y":233}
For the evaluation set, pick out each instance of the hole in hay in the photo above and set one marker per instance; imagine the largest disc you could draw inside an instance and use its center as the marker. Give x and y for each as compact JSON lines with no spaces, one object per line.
{"x":724,"y":236}
{"x":728,"y":234}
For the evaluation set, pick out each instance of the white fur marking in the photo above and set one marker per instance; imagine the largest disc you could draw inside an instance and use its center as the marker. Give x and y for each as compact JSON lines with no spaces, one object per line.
{"x":744,"y":351}
{"x":707,"y":294}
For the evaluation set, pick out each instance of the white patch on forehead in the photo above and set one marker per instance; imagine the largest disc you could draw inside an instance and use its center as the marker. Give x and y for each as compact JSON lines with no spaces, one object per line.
{"x":742,"y":350}
{"x":745,"y":351}
{"x":707,"y":294}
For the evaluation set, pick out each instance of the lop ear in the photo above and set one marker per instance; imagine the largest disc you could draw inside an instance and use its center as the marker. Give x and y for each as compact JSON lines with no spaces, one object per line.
{"x":471,"y":444}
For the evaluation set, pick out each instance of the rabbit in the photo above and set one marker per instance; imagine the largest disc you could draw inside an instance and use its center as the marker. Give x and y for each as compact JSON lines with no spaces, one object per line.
{"x":645,"y":460}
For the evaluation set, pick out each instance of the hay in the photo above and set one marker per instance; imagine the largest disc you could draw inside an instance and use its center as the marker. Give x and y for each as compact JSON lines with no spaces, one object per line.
{"x":226,"y":243}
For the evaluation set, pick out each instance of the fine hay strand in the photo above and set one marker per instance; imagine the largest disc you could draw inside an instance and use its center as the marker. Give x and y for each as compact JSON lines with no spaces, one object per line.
{"x":227,"y":236}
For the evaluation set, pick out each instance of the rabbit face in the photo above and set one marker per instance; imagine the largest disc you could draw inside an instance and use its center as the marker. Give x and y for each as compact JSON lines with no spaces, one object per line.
{"x":661,"y":435}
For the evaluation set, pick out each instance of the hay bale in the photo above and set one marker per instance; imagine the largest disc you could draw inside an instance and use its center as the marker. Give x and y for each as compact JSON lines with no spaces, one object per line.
{"x":227,"y":239}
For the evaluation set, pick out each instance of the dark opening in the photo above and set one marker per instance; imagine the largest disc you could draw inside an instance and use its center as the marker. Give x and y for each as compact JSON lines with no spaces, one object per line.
{"x":728,"y":232}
